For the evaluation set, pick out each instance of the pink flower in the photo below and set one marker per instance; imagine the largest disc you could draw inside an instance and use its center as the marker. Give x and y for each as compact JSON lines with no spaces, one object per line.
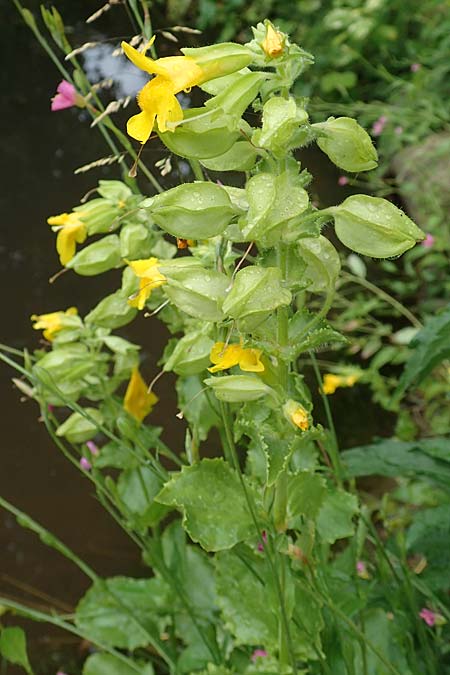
{"x":428,"y":242}
{"x":85,"y":464}
{"x":378,"y":125}
{"x":93,"y":449}
{"x":259,"y":654}
{"x":342,"y":180}
{"x":260,"y":546}
{"x":361,"y":570}
{"x":66,"y":96}
{"x":428,"y":616}
{"x":414,"y":67}
{"x":398,"y":130}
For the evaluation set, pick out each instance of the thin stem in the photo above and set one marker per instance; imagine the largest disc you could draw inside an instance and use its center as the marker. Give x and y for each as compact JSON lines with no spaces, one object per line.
{"x":385,"y":296}
{"x":273,"y":570}
{"x":51,"y":540}
{"x":36,"y":615}
{"x":334,"y":448}
{"x":197,"y":169}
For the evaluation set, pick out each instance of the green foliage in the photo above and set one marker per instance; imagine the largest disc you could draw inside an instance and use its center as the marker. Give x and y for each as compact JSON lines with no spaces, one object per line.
{"x":13,"y":647}
{"x":277,"y":549}
{"x":200,"y":492}
{"x":431,"y":346}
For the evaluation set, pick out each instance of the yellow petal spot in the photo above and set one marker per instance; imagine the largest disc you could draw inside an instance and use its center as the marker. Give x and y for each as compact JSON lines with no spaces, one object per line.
{"x":331,"y":382}
{"x":150,"y":278}
{"x":71,"y":231}
{"x":273,"y":43}
{"x":138,"y":402}
{"x":52,"y":323}
{"x":235,"y":355}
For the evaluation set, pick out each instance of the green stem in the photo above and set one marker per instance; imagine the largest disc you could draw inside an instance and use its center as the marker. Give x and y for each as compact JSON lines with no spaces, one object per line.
{"x":285,"y":631}
{"x":334,"y":447}
{"x":197,"y":169}
{"x":52,"y":541}
{"x":36,"y":615}
{"x":282,"y":320}
{"x":385,"y":296}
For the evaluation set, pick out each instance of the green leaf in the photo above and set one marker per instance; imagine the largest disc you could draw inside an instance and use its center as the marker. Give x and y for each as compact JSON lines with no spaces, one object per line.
{"x":347,"y":144}
{"x":121,"y":611}
{"x":281,"y":119}
{"x":428,"y":536}
{"x":334,"y":520}
{"x":256,"y":292}
{"x":431,"y":346}
{"x":322,"y":263}
{"x":202,"y":138}
{"x":137,"y":488}
{"x":98,"y":257}
{"x":242,"y":597}
{"x":192,"y":211}
{"x":204,"y":493}
{"x":195,"y":290}
{"x":13,"y":647}
{"x":77,"y":429}
{"x":374,"y":227}
{"x":426,"y":458}
{"x":112,"y":312}
{"x":108,"y":664}
{"x":306,"y":493}
{"x":136,"y":241}
{"x":238,"y":388}
{"x":240,"y":157}
{"x":196,"y":406}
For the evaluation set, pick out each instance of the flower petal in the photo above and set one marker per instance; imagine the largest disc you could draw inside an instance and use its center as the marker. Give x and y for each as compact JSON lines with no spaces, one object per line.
{"x":140,"y":126}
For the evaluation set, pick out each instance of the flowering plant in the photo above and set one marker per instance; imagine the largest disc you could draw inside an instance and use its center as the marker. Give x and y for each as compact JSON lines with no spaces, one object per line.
{"x":258,"y":553}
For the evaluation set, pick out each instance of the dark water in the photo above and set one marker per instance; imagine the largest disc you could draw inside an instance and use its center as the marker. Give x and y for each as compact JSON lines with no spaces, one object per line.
{"x":39,"y":152}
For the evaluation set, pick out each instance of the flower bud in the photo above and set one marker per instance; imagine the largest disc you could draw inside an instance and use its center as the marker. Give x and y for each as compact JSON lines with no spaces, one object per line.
{"x":296,"y":415}
{"x":273,"y":43}
{"x":374,"y":227}
{"x":347,"y":144}
{"x":135,"y":241}
{"x":99,"y":215}
{"x":238,"y":388}
{"x":192,"y":211}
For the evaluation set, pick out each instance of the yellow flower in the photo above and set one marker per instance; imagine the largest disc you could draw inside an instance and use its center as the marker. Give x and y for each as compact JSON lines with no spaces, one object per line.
{"x":138,"y":402}
{"x":71,"y":231}
{"x":52,"y":323}
{"x":296,"y":414}
{"x":148,"y":273}
{"x":235,"y":355}
{"x":157,"y":98}
{"x":331,"y":382}
{"x":273,"y":43}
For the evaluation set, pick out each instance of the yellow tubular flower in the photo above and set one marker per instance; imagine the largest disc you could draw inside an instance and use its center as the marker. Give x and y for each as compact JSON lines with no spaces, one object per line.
{"x":235,"y":355}
{"x":150,"y":278}
{"x":71,"y":231}
{"x":138,"y":402}
{"x":331,"y":382}
{"x":157,"y":99}
{"x":273,"y":43}
{"x":299,"y":417}
{"x":52,"y":323}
